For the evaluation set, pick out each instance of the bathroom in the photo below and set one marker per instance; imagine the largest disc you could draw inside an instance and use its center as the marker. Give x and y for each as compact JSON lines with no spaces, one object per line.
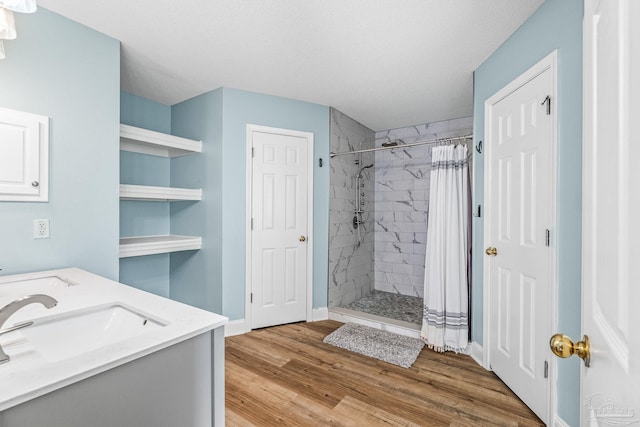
{"x":86,"y":167}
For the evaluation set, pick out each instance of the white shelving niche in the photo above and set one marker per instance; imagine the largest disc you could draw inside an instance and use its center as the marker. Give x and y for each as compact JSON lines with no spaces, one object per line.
{"x":153,"y":143}
{"x":150,"y":245}
{"x":158,"y":194}
{"x":147,"y":141}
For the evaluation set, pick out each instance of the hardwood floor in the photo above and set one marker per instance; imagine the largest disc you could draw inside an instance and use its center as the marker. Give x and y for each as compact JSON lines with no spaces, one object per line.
{"x":286,"y":375}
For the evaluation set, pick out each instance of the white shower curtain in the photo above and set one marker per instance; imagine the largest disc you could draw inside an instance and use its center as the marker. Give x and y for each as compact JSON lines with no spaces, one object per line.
{"x":445,"y":324}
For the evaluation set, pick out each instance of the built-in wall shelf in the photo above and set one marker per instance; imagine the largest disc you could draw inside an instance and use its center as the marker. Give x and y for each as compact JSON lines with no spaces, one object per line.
{"x":159,"y":194}
{"x":151,"y":245}
{"x":146,"y":141}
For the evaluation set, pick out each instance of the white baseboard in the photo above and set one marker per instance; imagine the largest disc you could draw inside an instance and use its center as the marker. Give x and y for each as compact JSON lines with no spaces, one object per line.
{"x":559,"y":422}
{"x":235,"y":327}
{"x":240,"y":326}
{"x":475,"y":351}
{"x":320,"y":313}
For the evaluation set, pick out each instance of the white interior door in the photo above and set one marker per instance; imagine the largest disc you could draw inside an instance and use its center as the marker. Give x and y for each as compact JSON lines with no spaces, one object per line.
{"x":279,"y":239}
{"x":610,"y":392}
{"x":519,"y":210}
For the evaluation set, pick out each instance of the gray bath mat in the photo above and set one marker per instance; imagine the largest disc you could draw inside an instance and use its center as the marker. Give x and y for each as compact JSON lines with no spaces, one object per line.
{"x":382,"y":345}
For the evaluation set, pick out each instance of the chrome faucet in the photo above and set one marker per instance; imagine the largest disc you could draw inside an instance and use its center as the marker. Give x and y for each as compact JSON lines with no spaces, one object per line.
{"x":9,"y":309}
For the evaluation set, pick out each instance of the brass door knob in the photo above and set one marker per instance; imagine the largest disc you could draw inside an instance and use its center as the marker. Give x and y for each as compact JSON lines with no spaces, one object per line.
{"x":491,"y":251}
{"x":562,"y":346}
{"x":302,"y":238}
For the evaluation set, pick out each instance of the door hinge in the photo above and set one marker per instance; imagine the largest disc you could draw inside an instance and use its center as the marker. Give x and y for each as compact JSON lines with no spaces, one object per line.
{"x":547,"y":101}
{"x":547,"y":237}
{"x":251,"y":298}
{"x":253,"y":152}
{"x":546,"y":369}
{"x":252,"y":223}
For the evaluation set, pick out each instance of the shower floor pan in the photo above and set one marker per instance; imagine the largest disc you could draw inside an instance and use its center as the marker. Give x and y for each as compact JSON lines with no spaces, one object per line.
{"x":383,"y":310}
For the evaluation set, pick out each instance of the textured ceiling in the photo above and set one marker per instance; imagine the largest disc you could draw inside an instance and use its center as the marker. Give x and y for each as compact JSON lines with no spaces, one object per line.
{"x":386,"y":63}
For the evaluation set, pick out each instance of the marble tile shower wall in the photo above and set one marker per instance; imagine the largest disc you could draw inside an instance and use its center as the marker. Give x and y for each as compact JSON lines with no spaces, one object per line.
{"x":401,"y":205}
{"x":350,"y":254}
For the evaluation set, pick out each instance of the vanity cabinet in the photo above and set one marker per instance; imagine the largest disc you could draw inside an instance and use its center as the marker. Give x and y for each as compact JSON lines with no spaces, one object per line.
{"x":107,"y":355}
{"x":153,"y":143}
{"x":157,"y":390}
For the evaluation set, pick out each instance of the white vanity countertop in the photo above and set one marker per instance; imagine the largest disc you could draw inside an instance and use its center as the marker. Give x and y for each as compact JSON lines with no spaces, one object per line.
{"x":29,"y":375}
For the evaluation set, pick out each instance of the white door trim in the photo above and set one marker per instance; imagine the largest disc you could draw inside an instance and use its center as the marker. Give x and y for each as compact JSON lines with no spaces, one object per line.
{"x":249,"y":209}
{"x":549,"y":62}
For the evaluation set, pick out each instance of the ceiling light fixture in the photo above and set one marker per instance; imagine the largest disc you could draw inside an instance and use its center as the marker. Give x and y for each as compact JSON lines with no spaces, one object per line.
{"x":7,"y":21}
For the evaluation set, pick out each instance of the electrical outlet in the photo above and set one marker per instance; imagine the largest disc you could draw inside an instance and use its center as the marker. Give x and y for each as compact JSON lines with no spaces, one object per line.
{"x":40,"y":228}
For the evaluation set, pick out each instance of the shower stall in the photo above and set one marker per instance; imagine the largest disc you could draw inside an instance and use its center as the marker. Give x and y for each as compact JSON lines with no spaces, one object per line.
{"x":378,"y":220}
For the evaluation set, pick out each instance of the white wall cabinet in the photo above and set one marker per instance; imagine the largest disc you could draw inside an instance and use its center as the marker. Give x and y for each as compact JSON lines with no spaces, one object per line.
{"x":153,"y":143}
{"x":24,"y":156}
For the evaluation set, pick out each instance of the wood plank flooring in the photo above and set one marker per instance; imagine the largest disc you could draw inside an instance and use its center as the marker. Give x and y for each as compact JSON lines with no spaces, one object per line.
{"x":286,"y":375}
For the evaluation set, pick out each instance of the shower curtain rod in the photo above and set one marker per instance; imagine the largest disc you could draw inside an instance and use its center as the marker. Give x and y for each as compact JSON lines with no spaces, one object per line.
{"x":413,"y":144}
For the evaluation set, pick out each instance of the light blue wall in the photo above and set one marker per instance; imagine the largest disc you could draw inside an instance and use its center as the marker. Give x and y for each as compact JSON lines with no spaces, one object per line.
{"x":242,"y":108}
{"x":213,"y":278}
{"x":70,"y":73}
{"x":144,"y":113}
{"x":196,"y":276}
{"x":137,"y":218}
{"x":557,"y":24}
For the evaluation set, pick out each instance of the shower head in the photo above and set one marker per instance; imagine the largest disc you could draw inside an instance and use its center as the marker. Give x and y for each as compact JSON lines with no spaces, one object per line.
{"x":363,"y":168}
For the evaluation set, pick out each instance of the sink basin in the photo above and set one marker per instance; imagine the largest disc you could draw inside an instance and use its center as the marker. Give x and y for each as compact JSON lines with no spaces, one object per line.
{"x":59,"y":337}
{"x":33,"y":286}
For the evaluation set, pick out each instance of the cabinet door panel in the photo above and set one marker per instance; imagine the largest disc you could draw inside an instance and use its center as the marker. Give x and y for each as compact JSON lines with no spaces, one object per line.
{"x":24,"y":141}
